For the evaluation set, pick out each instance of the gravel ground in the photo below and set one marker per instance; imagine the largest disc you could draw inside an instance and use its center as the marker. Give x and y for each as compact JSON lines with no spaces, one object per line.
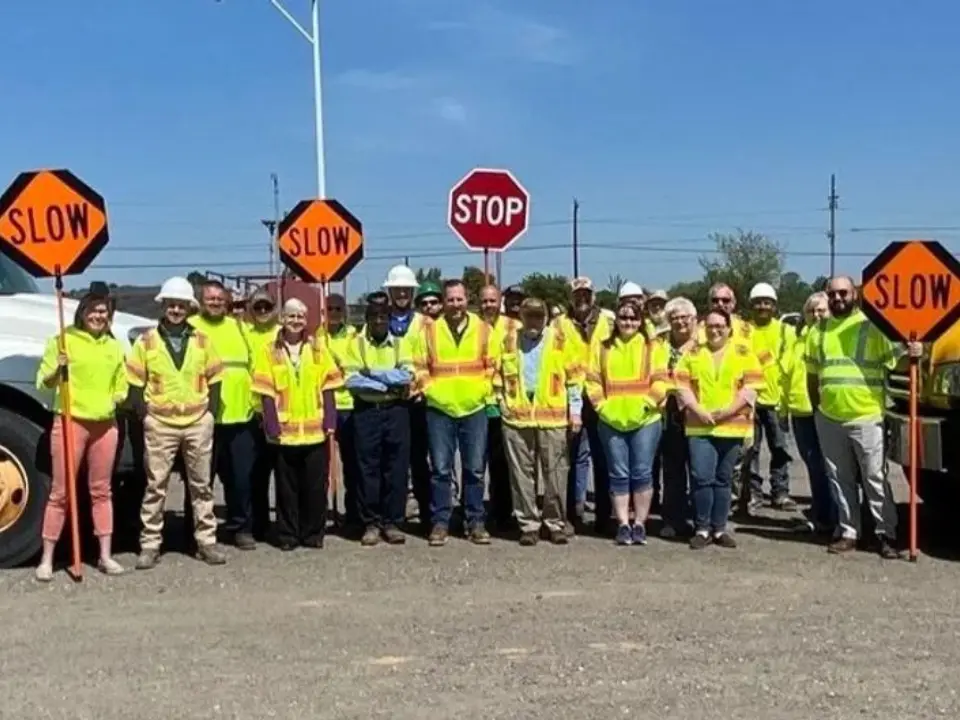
{"x":775,"y":629}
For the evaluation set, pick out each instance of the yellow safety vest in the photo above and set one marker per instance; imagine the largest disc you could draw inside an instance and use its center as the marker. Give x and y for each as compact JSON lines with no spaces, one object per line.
{"x":456,"y":377}
{"x":297,"y":390}
{"x":627,"y":381}
{"x":364,"y":354}
{"x":230,"y":344}
{"x":794,"y":398}
{"x":258,"y":336}
{"x":715,"y":388}
{"x":499,"y":331}
{"x":850,"y":357}
{"x":338,"y":343}
{"x":581,"y":348}
{"x":771,"y":343}
{"x":560,"y":370}
{"x":174,"y":397}
{"x":96,"y":375}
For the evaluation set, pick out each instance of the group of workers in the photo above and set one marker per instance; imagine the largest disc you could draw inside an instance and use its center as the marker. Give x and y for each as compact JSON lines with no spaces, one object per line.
{"x":532,"y":398}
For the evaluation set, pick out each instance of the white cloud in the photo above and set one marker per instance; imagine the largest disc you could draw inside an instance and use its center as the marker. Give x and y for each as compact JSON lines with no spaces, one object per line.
{"x":451,"y":110}
{"x":379,"y":81}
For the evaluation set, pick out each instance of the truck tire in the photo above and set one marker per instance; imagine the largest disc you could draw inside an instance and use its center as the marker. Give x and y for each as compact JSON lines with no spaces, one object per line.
{"x":24,"y":487}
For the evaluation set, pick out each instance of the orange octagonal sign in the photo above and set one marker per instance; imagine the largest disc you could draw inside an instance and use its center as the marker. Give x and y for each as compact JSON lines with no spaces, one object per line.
{"x":51,"y":222}
{"x":321,"y":241}
{"x":911,"y":290}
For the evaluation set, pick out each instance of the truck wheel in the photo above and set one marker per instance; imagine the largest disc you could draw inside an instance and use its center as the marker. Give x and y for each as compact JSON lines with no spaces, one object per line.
{"x":23,"y":489}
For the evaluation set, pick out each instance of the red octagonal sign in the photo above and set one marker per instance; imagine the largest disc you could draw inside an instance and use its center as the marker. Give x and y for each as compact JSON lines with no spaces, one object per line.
{"x":489,"y":209}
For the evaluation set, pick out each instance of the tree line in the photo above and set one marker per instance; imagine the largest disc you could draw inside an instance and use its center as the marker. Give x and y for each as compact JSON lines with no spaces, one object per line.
{"x":743,"y":259}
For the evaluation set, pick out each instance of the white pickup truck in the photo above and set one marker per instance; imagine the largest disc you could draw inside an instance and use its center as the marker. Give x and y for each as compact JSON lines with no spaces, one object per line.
{"x":27,"y":319}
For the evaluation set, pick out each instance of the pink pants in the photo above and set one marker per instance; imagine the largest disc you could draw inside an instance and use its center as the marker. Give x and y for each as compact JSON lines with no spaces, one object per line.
{"x":98,"y":441}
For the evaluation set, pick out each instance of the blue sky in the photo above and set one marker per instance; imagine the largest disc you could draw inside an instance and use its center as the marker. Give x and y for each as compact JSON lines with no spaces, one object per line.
{"x":668,"y":119}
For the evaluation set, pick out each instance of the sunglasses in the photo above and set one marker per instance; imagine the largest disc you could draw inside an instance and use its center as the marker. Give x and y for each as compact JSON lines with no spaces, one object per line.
{"x":627,"y":318}
{"x":838,"y":293}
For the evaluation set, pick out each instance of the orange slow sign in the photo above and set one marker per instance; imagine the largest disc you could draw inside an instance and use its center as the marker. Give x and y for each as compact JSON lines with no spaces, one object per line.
{"x":320,"y":240}
{"x":51,"y":222}
{"x":911,"y":290}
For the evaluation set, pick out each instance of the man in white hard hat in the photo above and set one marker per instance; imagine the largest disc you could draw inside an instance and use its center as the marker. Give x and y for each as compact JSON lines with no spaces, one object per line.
{"x":771,"y":341}
{"x":405,"y":323}
{"x":632,"y":292}
{"x":174,"y":377}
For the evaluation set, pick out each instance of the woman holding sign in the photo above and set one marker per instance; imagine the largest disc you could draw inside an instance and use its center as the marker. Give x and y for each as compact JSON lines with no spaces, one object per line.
{"x":93,"y":365}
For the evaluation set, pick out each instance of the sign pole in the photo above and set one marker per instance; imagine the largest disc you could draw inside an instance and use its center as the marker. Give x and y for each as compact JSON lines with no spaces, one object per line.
{"x":486,"y":266}
{"x":332,"y":476}
{"x":66,"y":425}
{"x":913,"y":432}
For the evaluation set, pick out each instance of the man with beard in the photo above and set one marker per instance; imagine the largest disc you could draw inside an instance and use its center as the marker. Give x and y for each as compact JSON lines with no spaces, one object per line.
{"x":847,"y":357}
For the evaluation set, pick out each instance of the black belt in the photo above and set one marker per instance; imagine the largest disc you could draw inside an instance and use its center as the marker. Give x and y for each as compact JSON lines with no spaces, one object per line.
{"x":385,"y":403}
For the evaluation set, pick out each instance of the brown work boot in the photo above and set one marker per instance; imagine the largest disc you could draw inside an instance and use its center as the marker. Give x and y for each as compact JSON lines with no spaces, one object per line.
{"x":393,"y":536}
{"x":842,"y":545}
{"x":529,"y":538}
{"x":148,"y":559}
{"x":438,"y":536}
{"x":479,"y":536}
{"x":371,"y":537}
{"x":211,"y":555}
{"x":559,"y":537}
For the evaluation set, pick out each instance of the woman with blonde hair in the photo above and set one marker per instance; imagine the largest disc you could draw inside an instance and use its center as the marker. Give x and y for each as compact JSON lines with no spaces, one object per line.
{"x":795,"y":402}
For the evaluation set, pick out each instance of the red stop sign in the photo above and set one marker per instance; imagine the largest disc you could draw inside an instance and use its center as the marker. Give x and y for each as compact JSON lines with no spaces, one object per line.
{"x":489,"y":209}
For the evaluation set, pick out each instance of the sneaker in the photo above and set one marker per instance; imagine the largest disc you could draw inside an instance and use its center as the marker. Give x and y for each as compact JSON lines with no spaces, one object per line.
{"x":639,"y":534}
{"x":245,"y":541}
{"x":148,"y":559}
{"x":371,"y":537}
{"x":756,"y":503}
{"x":211,"y":555}
{"x":559,"y":537}
{"x":842,"y":545}
{"x":109,"y":566}
{"x":699,"y":541}
{"x":725,"y":540}
{"x":438,"y":536}
{"x":43,"y":573}
{"x":529,"y":538}
{"x":393,"y":536}
{"x":624,"y":535}
{"x":479,"y":536}
{"x":784,"y":503}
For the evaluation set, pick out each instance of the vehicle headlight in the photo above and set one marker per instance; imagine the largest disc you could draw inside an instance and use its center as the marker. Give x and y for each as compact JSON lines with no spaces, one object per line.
{"x":946,"y":380}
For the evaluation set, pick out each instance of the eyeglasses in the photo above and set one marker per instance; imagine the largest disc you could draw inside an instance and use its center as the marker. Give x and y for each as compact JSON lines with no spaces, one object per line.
{"x":627,"y":318}
{"x":716,"y":326}
{"x":723,"y":299}
{"x":334,"y":308}
{"x":430,"y":301}
{"x":838,"y":293}
{"x":262,"y":307}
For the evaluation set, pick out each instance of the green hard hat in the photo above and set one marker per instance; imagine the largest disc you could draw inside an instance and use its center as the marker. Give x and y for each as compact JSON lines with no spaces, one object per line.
{"x":427,"y":288}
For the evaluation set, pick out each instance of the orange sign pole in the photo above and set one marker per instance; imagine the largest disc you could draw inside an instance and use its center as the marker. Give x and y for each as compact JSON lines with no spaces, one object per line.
{"x":913,"y":431}
{"x":66,"y":424}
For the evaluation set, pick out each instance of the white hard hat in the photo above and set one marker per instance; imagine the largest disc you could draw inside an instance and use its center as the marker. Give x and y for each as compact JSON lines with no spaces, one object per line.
{"x":401,"y":276}
{"x":177,"y":288}
{"x":763,"y":291}
{"x":630,"y":289}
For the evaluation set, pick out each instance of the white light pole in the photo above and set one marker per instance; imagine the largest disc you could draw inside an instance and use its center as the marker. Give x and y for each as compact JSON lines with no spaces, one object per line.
{"x":313,"y":38}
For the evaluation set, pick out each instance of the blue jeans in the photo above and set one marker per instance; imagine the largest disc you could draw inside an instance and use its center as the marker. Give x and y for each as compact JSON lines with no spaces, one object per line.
{"x":712,"y":460}
{"x":630,"y":457}
{"x":446,"y":434}
{"x":584,"y":447}
{"x":766,"y":424}
{"x":823,"y":508}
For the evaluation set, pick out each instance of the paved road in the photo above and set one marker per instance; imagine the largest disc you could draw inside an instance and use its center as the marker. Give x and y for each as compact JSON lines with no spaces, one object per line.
{"x":776,"y":629}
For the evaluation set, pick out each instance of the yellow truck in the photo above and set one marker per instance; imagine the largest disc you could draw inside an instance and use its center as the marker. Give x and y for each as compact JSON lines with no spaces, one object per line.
{"x":939,"y":415}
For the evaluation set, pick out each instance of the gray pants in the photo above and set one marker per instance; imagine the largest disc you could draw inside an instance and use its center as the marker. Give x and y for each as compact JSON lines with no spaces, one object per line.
{"x":852,"y":451}
{"x":526,"y":448}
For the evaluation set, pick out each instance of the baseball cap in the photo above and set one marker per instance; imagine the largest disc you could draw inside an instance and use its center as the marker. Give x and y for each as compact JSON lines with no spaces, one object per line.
{"x":581,"y":283}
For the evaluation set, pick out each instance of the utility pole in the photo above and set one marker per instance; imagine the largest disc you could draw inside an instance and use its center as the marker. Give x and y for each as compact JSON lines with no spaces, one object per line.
{"x":273,"y":225}
{"x":832,"y":233}
{"x":576,"y":241}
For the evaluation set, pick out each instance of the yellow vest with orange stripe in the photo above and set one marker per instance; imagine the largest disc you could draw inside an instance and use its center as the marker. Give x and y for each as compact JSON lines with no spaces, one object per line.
{"x":297,"y":389}
{"x":716,"y":387}
{"x":772,"y":344}
{"x":456,"y":377}
{"x":174,"y":397}
{"x":627,"y":381}
{"x":560,"y":369}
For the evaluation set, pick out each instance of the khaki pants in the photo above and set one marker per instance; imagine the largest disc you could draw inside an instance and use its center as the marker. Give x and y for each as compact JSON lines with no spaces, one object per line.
{"x":161,"y":445}
{"x":526,"y":448}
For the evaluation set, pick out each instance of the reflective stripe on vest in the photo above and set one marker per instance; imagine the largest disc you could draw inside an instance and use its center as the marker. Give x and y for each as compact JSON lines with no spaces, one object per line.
{"x":445,"y":368}
{"x":859,"y":361}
